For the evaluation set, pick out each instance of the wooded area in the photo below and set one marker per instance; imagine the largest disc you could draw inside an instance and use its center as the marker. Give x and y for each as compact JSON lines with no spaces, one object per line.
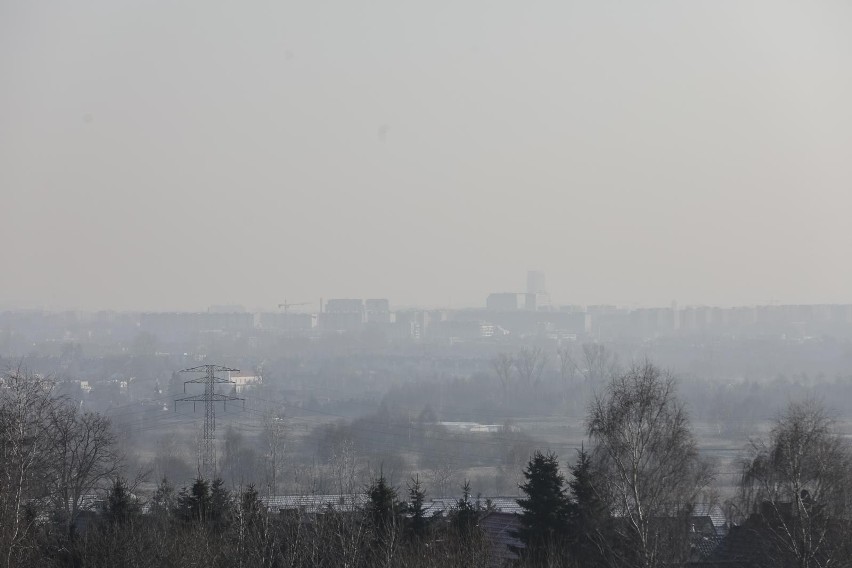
{"x":630,"y":500}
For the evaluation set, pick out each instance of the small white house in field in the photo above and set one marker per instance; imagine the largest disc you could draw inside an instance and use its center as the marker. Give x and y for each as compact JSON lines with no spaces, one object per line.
{"x":244,"y":380}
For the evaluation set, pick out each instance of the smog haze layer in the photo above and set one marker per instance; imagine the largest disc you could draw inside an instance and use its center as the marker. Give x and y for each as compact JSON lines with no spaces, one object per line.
{"x":172,"y":157}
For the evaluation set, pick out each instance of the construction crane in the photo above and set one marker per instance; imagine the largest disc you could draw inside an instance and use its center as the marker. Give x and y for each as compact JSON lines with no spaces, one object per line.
{"x":287,"y":306}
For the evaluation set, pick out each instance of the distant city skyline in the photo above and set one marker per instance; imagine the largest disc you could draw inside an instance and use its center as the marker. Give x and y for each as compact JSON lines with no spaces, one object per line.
{"x":313,"y":307}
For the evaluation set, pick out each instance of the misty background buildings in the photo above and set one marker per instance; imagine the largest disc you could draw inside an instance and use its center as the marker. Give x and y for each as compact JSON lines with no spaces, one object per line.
{"x":505,"y":318}
{"x":353,"y":355}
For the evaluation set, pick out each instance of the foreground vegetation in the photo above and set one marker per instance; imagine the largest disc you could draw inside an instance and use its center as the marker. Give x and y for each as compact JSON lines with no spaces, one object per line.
{"x":628,"y":500}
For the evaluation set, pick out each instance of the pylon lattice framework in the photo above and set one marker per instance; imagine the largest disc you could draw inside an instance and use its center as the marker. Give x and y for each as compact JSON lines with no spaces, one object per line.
{"x":209,"y":398}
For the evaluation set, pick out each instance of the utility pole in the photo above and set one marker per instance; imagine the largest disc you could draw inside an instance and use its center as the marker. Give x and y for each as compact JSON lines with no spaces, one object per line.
{"x":207,"y":447}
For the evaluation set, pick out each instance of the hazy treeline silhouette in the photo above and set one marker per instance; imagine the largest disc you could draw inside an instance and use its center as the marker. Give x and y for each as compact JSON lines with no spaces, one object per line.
{"x":628,"y":500}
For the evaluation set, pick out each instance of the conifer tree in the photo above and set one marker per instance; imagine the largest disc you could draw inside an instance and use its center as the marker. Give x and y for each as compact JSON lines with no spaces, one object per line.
{"x":546,"y":508}
{"x":120,"y":505}
{"x":193,"y":504}
{"x":466,"y":515}
{"x":163,"y":502}
{"x":383,"y":510}
{"x":251,"y":507}
{"x":588,"y":519}
{"x":418,"y":523}
{"x":220,"y":502}
{"x":383,"y":504}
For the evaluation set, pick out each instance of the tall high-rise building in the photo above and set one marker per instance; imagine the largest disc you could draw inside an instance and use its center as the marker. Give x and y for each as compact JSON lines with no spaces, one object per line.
{"x":505,"y":301}
{"x":377,"y":311}
{"x":535,"y":282}
{"x":537,"y":297}
{"x":342,"y":314}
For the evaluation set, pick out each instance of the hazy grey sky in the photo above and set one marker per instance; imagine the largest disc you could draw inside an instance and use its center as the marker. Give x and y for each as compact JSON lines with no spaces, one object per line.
{"x":163,"y":155}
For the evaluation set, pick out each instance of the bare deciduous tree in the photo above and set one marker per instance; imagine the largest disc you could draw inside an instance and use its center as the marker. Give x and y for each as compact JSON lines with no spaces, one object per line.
{"x":600,"y":363}
{"x":567,"y":369}
{"x":567,"y":364}
{"x":503,"y":364}
{"x":442,"y":476}
{"x":50,"y":453}
{"x":799,"y":483}
{"x":529,"y":364}
{"x":26,"y":459}
{"x":647,"y":463}
{"x":274,"y":439}
{"x":240,"y":460}
{"x":344,"y":466}
{"x":85,"y":457}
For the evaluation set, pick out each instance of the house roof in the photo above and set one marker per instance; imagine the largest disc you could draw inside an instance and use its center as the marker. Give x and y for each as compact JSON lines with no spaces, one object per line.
{"x":440,"y":505}
{"x":716,"y":514}
{"x":315,"y":503}
{"x":703,"y":547}
{"x":349,"y":502}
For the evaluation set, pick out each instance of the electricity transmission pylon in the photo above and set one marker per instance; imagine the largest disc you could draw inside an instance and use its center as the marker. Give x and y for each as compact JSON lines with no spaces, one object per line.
{"x":210,"y":397}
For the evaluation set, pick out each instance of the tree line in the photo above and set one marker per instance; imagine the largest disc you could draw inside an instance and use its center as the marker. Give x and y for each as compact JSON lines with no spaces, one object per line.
{"x":628,"y":500}
{"x":631,"y":499}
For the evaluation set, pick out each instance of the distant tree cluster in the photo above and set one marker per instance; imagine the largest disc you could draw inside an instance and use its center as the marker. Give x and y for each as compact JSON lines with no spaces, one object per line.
{"x":53,"y":456}
{"x":628,"y":500}
{"x":207,"y":525}
{"x":64,"y":502}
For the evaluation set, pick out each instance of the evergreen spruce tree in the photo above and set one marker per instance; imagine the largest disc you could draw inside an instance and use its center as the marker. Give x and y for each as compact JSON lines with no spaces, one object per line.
{"x":383,"y":513}
{"x":163,"y":501}
{"x":417,"y":523}
{"x":383,"y":505}
{"x":251,"y":507}
{"x":588,"y":520}
{"x":120,"y":505}
{"x":193,"y":504}
{"x":546,"y":509}
{"x":250,"y":531}
{"x":466,"y":514}
{"x":220,"y":502}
